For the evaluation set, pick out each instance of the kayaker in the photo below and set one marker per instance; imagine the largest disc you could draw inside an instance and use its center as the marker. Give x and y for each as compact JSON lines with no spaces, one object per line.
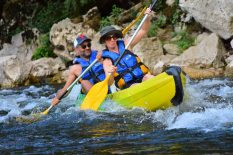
{"x":84,"y":57}
{"x":130,"y":69}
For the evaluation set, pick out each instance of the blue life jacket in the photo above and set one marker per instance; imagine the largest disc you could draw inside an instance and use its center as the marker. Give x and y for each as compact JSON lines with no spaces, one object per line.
{"x":130,"y":69}
{"x":95,"y":73}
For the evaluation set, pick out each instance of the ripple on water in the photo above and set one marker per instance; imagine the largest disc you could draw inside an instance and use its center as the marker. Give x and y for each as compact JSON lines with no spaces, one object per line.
{"x":177,"y":130}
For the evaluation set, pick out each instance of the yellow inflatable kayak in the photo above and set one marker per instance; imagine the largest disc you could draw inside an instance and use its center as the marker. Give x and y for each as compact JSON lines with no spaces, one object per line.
{"x":162,"y":91}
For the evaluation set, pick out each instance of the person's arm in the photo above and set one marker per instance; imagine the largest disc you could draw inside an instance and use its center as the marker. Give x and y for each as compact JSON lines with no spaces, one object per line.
{"x":99,"y":56}
{"x":109,"y":68}
{"x":74,"y":72}
{"x":86,"y":85}
{"x":144,"y":29}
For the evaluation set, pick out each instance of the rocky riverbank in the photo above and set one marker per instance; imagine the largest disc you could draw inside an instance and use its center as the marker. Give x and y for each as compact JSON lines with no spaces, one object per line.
{"x":210,"y":56}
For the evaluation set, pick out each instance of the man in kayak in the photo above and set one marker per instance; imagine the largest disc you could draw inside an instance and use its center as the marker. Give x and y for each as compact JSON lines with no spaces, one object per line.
{"x":130,"y":69}
{"x":84,"y":57}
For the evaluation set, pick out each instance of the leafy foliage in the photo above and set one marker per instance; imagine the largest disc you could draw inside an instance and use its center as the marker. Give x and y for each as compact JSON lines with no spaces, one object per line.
{"x":159,"y":23}
{"x":176,"y":16}
{"x":45,"y":49}
{"x":47,"y":16}
{"x":77,"y":7}
{"x":70,"y":5}
{"x":116,"y":11}
{"x":113,"y":18}
{"x":16,"y":31}
{"x":152,"y":31}
{"x":105,"y":21}
{"x":185,"y":40}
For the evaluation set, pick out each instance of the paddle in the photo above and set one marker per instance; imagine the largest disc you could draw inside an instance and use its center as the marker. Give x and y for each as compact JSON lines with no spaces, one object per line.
{"x":36,"y":117}
{"x":71,"y":86}
{"x":133,"y":22}
{"x":99,"y":91}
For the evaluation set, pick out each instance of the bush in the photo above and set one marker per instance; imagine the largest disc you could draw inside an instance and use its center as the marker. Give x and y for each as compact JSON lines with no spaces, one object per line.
{"x":185,"y":40}
{"x":159,"y":23}
{"x":113,"y":18}
{"x":152,"y":31}
{"x":45,"y":49}
{"x":47,"y":16}
{"x":176,"y":16}
{"x":105,"y":21}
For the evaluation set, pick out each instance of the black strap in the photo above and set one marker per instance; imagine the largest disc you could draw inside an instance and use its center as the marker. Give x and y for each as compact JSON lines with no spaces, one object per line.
{"x":128,"y":70}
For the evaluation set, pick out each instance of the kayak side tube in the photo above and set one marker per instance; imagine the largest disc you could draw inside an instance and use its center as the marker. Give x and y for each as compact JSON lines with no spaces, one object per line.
{"x":176,"y":72}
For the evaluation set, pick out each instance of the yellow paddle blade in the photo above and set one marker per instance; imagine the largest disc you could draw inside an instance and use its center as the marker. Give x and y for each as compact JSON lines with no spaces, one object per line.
{"x":29,"y":119}
{"x":34,"y":117}
{"x":96,"y":95}
{"x":46,"y":111}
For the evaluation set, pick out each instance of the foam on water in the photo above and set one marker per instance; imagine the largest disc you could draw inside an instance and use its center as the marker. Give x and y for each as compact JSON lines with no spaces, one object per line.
{"x":210,"y":119}
{"x":207,"y":106}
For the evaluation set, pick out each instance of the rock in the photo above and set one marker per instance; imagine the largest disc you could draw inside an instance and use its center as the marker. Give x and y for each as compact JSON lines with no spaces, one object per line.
{"x":149,"y":49}
{"x":13,"y":72}
{"x":45,"y":67}
{"x":162,"y":62}
{"x":171,"y":49}
{"x":170,"y":2}
{"x":229,"y":69}
{"x":195,"y":73}
{"x":209,"y":53}
{"x":25,"y":37}
{"x":8,"y":49}
{"x":215,"y":15}
{"x":127,"y":16}
{"x":63,"y":34}
{"x":158,"y":68}
{"x":201,"y":37}
{"x":229,"y":59}
{"x":231,"y":43}
{"x":92,"y":18}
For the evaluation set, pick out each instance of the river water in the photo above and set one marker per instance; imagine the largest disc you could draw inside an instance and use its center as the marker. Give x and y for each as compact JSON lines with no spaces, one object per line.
{"x":202,"y":124}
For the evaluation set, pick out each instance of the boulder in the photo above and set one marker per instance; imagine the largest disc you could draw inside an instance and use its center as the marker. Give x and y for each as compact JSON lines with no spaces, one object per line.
{"x":196,"y":73}
{"x":229,"y":69}
{"x":63,"y":34}
{"x":148,"y":50}
{"x":171,"y":49}
{"x":215,"y":15}
{"x":13,"y":71}
{"x":209,"y":53}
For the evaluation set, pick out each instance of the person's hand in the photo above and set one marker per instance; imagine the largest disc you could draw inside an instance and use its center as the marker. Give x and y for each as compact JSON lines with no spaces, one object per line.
{"x":99,"y":55}
{"x":55,"y":101}
{"x":111,"y":69}
{"x":148,"y":11}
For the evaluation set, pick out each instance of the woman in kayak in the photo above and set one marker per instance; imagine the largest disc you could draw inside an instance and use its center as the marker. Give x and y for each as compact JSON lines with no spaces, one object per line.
{"x":130,"y":69}
{"x":85,"y":56}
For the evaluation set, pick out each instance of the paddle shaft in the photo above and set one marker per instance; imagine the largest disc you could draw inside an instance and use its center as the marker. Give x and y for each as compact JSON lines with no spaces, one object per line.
{"x":76,"y":80}
{"x":135,"y":33}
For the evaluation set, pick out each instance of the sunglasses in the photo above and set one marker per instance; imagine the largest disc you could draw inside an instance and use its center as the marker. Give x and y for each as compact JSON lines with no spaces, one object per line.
{"x":84,"y":46}
{"x":110,"y":37}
